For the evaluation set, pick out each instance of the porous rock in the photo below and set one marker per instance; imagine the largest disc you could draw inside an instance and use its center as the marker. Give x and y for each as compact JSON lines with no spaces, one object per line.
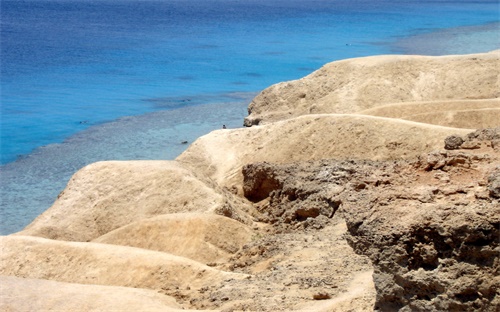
{"x":494,"y":183}
{"x":453,"y":142}
{"x":433,"y":242}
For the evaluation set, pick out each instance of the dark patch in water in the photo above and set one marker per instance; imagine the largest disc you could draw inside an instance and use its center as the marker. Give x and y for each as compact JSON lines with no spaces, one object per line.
{"x":186,"y":78}
{"x":316,"y":58}
{"x":275,"y":53}
{"x":255,"y":75}
{"x":174,"y":102}
{"x":239,"y":83}
{"x":307,"y":69}
{"x":207,"y":46}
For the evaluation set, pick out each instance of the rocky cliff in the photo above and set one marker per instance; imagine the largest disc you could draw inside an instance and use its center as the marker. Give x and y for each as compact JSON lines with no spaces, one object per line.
{"x":430,"y":226}
{"x":363,"y":186}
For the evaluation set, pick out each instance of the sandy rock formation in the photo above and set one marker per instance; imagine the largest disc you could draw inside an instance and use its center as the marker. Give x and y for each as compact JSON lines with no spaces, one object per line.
{"x":105,"y":196}
{"x":44,"y":295}
{"x":222,"y":154}
{"x":201,"y":237}
{"x":102,"y":264}
{"x":308,"y":268}
{"x":354,"y":85}
{"x":268,"y":218}
{"x":459,"y":113}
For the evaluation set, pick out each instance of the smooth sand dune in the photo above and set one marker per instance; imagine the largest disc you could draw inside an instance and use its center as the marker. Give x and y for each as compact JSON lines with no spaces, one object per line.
{"x":24,"y":295}
{"x":102,"y":264}
{"x":222,"y":154}
{"x":202,"y":237}
{"x":104,"y":196}
{"x":353,"y":85}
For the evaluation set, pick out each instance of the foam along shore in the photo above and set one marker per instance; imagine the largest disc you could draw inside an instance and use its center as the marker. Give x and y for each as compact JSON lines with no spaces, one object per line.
{"x":156,"y":225}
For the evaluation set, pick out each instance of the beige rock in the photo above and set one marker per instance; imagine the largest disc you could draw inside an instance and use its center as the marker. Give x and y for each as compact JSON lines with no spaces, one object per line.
{"x":341,"y":143}
{"x":222,"y":154}
{"x":23,"y":294}
{"x":104,"y":196}
{"x":470,"y":114}
{"x":102,"y":264}
{"x":202,"y":237}
{"x":354,"y":85}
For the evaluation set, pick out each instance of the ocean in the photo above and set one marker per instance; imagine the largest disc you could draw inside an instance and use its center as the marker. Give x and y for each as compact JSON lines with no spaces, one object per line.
{"x":90,"y":80}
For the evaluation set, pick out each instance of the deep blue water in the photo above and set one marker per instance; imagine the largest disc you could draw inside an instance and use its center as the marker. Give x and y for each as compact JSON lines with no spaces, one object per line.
{"x":73,"y":70}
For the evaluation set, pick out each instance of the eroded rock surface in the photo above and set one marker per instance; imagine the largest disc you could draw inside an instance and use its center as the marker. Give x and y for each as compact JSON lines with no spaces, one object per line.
{"x":430,"y":226}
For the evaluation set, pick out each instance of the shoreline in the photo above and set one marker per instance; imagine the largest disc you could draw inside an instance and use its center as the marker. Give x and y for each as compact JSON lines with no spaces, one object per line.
{"x":368,"y":198}
{"x":455,"y":40}
{"x":44,"y":173}
{"x":144,"y":137}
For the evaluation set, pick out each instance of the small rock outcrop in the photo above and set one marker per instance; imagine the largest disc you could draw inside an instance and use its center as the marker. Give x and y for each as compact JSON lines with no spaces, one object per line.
{"x":453,"y":142}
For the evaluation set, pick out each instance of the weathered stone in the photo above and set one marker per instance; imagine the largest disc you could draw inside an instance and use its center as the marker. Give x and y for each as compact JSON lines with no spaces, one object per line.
{"x":432,"y":238}
{"x":321,"y":296}
{"x":494,"y":184}
{"x":259,"y":181}
{"x":472,"y":144}
{"x":453,"y":142}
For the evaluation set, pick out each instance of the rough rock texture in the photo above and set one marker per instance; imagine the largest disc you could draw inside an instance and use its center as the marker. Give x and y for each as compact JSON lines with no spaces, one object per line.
{"x":453,"y":142}
{"x":431,"y":226}
{"x":354,"y":85}
{"x":288,"y":268}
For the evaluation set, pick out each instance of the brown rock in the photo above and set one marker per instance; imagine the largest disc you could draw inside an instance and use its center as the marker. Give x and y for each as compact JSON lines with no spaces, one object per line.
{"x":494,"y":183}
{"x":453,"y":142}
{"x":321,"y":296}
{"x":471,"y":144}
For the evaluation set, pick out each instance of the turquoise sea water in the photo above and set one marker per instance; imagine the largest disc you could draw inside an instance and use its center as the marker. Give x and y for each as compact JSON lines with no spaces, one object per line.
{"x":83,"y":81}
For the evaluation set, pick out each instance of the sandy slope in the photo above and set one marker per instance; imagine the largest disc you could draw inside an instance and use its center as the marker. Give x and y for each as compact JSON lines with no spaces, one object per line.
{"x":354,"y":85}
{"x":102,"y":264}
{"x":112,"y":194}
{"x":201,"y":237}
{"x":458,"y":113}
{"x":25,"y":294}
{"x":221,"y":154}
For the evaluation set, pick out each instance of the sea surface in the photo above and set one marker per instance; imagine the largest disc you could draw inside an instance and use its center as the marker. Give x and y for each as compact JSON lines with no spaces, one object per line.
{"x":90,"y":80}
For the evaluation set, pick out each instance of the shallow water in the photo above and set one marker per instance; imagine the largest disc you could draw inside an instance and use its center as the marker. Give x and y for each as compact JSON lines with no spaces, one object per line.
{"x":457,"y":40}
{"x":73,"y":70}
